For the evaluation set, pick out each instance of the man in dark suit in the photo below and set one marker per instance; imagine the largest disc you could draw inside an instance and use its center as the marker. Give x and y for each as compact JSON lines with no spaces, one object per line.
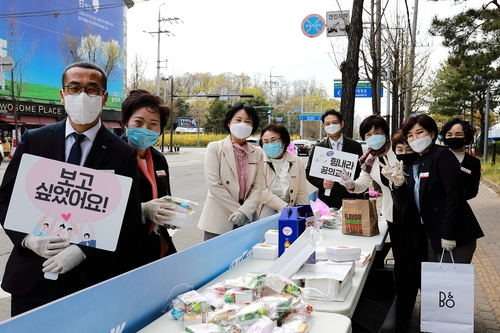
{"x":333,"y":123}
{"x":83,"y":95}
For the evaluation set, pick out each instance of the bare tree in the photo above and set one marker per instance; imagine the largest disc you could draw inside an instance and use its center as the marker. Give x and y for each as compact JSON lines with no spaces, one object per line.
{"x":139,"y":66}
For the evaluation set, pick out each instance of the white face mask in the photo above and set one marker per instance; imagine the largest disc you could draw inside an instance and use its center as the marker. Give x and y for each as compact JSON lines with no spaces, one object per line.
{"x":421,"y":144}
{"x":333,"y":128}
{"x":82,"y":109}
{"x":241,"y":130}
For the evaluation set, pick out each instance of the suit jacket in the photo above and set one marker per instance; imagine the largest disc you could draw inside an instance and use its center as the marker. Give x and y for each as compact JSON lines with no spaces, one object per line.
{"x":151,"y":249}
{"x":221,"y":174}
{"x":443,"y":208}
{"x":108,"y":152}
{"x":338,"y":191}
{"x":471,"y":175}
{"x":297,"y":189}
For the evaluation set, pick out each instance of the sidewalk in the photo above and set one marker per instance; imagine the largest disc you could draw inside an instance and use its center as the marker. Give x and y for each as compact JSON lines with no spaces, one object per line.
{"x":486,"y":207}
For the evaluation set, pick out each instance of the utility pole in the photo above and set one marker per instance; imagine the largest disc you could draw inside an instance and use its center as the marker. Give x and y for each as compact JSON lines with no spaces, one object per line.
{"x":409,"y":85}
{"x":271,"y":82}
{"x":378,"y":51}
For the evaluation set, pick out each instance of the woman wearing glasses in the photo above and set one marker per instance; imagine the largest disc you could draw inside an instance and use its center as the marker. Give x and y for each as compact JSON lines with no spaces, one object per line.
{"x":233,"y":171}
{"x":284,"y":173}
{"x":145,"y":116}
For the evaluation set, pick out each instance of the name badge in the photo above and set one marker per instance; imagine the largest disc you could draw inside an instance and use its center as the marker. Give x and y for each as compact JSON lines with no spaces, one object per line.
{"x":424,"y":175}
{"x":253,"y":162}
{"x":467,"y":171}
{"x":292,"y":175}
{"x":161,"y":173}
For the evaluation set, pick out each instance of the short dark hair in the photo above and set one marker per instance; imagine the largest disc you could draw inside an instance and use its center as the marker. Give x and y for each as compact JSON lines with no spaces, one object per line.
{"x":62,"y":225}
{"x":46,"y":224}
{"x":139,"y":98}
{"x":86,"y":234}
{"x":278,"y":128}
{"x":374,"y":121}
{"x":332,"y":112}
{"x":88,"y":65}
{"x":69,"y":229}
{"x":250,"y":110}
{"x":423,"y":120}
{"x":468,"y":129}
{"x":398,"y":138}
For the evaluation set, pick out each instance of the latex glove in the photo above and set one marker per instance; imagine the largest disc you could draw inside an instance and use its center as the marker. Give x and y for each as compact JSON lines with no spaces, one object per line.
{"x":238,"y":218}
{"x":397,"y":174}
{"x":386,"y":170}
{"x":46,"y":247}
{"x":448,"y":245}
{"x":65,"y":261}
{"x":346,"y":181}
{"x":158,"y":211}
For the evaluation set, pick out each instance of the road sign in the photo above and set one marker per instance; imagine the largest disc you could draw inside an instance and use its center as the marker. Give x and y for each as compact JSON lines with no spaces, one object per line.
{"x":7,"y":63}
{"x":363,"y":89}
{"x":267,"y":108}
{"x":310,"y":116}
{"x":313,"y":25}
{"x":279,"y":119}
{"x":336,"y":23}
{"x":299,"y":110}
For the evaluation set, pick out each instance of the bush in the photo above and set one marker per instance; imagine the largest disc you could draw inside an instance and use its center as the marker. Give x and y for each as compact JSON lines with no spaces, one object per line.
{"x":190,"y":139}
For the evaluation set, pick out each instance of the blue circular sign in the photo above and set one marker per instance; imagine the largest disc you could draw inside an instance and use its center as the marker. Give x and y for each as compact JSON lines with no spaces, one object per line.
{"x":313,"y":25}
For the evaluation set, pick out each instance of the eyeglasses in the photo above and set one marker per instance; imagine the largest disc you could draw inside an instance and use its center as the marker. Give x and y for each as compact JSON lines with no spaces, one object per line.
{"x":92,"y":90}
{"x":273,"y":140}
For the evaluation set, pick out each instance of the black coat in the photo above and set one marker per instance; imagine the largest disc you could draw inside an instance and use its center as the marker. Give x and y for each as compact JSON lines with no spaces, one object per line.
{"x":108,"y":152}
{"x":471,"y":175}
{"x":338,"y":191}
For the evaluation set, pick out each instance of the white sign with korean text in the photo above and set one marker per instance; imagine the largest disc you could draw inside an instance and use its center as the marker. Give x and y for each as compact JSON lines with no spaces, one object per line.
{"x":328,"y":163}
{"x":53,"y":198}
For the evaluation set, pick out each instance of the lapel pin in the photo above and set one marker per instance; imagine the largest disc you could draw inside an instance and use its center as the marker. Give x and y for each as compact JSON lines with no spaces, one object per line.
{"x":103,"y":147}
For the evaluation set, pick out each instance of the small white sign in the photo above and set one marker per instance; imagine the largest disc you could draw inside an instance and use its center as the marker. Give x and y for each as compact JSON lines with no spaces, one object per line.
{"x":328,"y":163}
{"x":336,"y":23}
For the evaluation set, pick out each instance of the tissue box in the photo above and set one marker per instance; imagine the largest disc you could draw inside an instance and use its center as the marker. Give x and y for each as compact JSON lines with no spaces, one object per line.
{"x":333,"y":281}
{"x":271,"y":237}
{"x":180,"y":220}
{"x":343,"y":253}
{"x":265,"y":251}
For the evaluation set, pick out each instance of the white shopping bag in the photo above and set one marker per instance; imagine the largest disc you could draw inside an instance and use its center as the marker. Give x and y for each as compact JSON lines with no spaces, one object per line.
{"x":447,"y":297}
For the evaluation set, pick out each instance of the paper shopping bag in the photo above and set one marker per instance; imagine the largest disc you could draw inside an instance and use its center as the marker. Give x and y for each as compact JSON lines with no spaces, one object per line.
{"x":359,"y":217}
{"x":447,"y":298}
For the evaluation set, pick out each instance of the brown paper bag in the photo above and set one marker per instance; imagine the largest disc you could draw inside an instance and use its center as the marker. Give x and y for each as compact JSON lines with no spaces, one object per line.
{"x":359,"y":217}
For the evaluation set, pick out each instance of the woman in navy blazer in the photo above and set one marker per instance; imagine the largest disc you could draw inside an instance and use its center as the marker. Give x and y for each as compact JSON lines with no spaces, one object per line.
{"x":145,"y":117}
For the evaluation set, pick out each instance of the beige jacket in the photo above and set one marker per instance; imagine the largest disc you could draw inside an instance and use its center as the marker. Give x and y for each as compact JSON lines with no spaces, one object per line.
{"x":298,"y":187}
{"x":221,"y":174}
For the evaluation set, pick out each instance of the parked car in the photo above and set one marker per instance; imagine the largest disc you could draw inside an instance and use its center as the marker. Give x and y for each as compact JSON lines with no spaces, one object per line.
{"x":253,"y":141}
{"x":302,"y":146}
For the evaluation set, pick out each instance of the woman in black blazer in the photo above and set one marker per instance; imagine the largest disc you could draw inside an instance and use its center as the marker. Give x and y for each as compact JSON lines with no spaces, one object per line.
{"x":145,"y":116}
{"x":456,"y":134}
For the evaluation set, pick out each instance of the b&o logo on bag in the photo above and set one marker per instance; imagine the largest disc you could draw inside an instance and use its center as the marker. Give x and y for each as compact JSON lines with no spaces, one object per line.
{"x":446,"y":300}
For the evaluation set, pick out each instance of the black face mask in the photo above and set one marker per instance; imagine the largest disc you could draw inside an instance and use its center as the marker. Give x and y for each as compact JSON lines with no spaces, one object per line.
{"x":455,"y":143}
{"x":408,"y":159}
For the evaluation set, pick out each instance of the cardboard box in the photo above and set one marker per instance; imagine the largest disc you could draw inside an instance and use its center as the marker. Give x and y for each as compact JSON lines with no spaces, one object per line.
{"x":331,"y":281}
{"x":271,"y":237}
{"x":299,"y":251}
{"x":343,"y":253}
{"x":180,"y":220}
{"x":265,"y":251}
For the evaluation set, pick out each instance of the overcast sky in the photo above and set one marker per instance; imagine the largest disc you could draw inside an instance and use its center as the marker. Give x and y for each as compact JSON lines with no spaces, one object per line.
{"x":259,"y":37}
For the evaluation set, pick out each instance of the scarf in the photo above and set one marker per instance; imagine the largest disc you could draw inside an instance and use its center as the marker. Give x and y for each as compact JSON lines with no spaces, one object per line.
{"x":241,"y":159}
{"x":369,"y":157}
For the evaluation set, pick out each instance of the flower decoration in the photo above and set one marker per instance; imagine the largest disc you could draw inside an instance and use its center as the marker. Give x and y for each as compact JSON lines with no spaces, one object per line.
{"x":373,"y":193}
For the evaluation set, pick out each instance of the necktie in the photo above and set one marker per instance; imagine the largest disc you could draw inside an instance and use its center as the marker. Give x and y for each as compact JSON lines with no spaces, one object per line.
{"x":75,"y":154}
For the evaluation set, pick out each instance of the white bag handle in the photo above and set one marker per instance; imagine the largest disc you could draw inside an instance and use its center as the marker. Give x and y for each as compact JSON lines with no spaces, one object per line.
{"x":452,"y":259}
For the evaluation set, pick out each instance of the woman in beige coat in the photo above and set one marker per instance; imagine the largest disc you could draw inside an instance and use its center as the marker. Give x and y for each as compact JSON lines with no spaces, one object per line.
{"x":284,"y":173}
{"x":233,"y":171}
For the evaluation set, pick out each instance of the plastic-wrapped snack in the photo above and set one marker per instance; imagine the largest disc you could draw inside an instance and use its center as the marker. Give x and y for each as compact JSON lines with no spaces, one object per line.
{"x":193,"y":319}
{"x":248,"y":281}
{"x":282,"y":303}
{"x":300,"y":305}
{"x":295,"y":323}
{"x":263,"y":325}
{"x":194,"y":302}
{"x":182,"y":205}
{"x":238,"y":295}
{"x":221,"y":316}
{"x":282,"y":285}
{"x":203,"y":328}
{"x":213,"y":298}
{"x":252,"y":312}
{"x":219,"y":287}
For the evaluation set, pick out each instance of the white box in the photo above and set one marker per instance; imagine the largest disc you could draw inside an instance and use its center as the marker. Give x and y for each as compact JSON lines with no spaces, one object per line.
{"x":180,"y":220}
{"x":343,"y":253}
{"x":300,"y":250}
{"x":271,"y":237}
{"x":265,"y":251}
{"x":332,"y":282}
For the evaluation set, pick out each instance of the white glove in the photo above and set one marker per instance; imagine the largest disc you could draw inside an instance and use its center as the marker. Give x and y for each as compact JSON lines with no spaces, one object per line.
{"x":46,"y":247}
{"x":397,"y":175}
{"x":386,"y":170}
{"x":158,"y":211}
{"x":448,"y":245}
{"x":65,"y":261}
{"x":238,"y":218}
{"x":346,"y":181}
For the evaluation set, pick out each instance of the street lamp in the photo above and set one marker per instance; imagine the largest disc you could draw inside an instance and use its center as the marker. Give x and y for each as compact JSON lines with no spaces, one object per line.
{"x":479,"y":79}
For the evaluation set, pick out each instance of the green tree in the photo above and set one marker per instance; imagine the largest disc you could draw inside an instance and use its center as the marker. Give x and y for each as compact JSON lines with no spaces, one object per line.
{"x":216,"y":115}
